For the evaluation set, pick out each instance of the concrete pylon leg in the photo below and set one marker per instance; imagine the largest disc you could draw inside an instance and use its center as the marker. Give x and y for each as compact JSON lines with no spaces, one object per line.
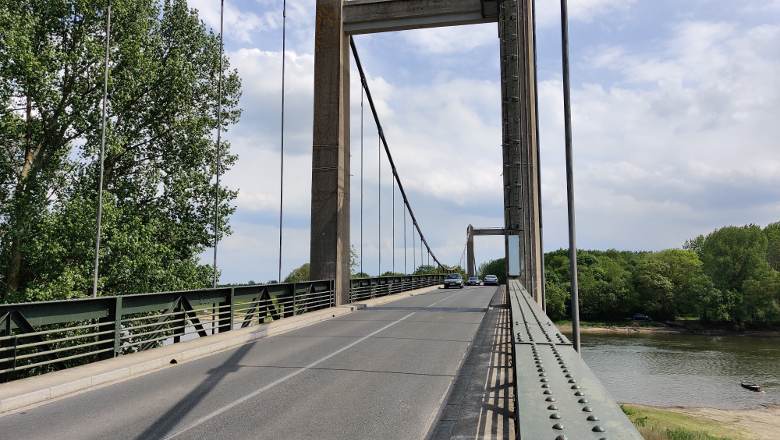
{"x":330,"y":243}
{"x":519,"y":145}
{"x":470,"y":251}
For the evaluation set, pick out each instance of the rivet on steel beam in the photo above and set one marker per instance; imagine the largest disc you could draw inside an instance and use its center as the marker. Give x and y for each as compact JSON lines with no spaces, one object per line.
{"x":543,"y":380}
{"x":579,"y":393}
{"x":587,"y":409}
{"x":566,"y":370}
{"x":546,"y":391}
{"x":556,"y":416}
{"x":553,"y":407}
{"x":569,"y":375}
{"x":593,"y":418}
{"x":558,"y":426}
{"x":545,"y":385}
{"x":563,"y":437}
{"x":582,"y":401}
{"x":599,"y":428}
{"x":550,"y":399}
{"x":541,"y":370}
{"x":542,"y":374}
{"x":572,"y":380}
{"x":576,"y":387}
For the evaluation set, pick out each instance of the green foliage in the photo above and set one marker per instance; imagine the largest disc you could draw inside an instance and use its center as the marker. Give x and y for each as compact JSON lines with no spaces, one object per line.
{"x":424,"y":269}
{"x":727,"y":277}
{"x":298,"y":275}
{"x":493,"y":267}
{"x":160,"y":157}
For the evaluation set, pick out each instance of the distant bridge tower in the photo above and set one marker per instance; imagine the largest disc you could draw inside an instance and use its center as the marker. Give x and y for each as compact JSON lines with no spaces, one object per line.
{"x":336,"y":20}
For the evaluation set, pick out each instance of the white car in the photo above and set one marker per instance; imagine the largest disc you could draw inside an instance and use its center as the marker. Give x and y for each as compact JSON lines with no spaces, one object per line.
{"x":453,"y":280}
{"x":491,"y":279}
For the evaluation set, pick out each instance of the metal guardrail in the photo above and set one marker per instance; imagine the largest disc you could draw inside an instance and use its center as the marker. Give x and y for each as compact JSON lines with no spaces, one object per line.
{"x":557,"y":395}
{"x":366,"y":288}
{"x":39,"y":337}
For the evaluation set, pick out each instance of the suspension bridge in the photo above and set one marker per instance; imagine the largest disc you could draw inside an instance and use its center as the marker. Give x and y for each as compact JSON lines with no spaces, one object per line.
{"x":336,"y":357}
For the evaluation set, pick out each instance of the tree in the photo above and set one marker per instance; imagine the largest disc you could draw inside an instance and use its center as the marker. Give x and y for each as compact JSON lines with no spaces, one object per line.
{"x":735,"y":258}
{"x":298,"y":275}
{"x":160,"y":152}
{"x":772,"y":232}
{"x":495,"y":267}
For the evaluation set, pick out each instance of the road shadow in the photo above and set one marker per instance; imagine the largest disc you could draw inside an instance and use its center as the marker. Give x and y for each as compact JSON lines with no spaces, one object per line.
{"x":167,"y":422}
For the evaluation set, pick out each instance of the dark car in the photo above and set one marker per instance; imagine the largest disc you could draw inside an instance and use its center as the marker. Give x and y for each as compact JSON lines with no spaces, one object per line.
{"x":474,"y":281}
{"x":491,"y":279}
{"x":640,"y":317}
{"x":453,"y":280}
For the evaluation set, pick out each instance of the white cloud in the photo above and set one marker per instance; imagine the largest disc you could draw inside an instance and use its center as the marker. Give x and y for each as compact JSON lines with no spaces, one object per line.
{"x":239,"y":24}
{"x":685,"y":140}
{"x":451,"y":39}
{"x":548,"y":12}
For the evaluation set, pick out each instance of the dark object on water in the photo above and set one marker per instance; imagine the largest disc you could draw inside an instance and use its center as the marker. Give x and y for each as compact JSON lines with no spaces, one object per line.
{"x":750,"y":386}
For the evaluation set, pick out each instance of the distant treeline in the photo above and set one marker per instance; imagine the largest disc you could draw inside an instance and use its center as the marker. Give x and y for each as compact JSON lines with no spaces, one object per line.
{"x":730,"y":276}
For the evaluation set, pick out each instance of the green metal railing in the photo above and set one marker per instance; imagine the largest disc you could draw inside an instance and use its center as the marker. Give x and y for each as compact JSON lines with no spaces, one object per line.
{"x":367,"y":288}
{"x":36,"y":338}
{"x":557,"y":396}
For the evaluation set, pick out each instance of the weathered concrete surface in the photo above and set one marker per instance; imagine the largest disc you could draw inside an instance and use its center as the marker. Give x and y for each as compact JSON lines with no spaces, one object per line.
{"x":329,"y":255}
{"x":370,"y":16}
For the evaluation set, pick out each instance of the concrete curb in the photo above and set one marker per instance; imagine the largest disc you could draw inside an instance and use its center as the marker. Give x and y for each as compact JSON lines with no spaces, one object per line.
{"x":34,"y":390}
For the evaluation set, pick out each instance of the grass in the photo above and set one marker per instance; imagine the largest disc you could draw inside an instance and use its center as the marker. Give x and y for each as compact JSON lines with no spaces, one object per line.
{"x":659,"y":424}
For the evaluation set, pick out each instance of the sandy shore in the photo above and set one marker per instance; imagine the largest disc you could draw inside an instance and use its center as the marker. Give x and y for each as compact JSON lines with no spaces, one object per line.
{"x":670,"y":330}
{"x":760,"y":423}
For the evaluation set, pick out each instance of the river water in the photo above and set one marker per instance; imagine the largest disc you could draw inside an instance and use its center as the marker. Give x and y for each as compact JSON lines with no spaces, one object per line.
{"x":685,"y":370}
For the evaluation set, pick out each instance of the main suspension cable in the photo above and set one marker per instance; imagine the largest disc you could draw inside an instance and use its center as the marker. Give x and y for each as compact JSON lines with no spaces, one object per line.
{"x":387,"y":151}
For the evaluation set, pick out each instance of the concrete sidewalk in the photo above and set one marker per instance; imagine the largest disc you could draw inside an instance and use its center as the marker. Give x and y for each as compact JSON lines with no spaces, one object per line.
{"x":34,"y":390}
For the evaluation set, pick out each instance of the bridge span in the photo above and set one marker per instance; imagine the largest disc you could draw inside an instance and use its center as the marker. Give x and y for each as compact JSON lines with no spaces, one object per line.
{"x":432,"y":363}
{"x":379,"y":372}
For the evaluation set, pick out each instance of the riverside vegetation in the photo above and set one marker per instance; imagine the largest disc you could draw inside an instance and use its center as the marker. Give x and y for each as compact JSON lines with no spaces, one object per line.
{"x":727,"y":279}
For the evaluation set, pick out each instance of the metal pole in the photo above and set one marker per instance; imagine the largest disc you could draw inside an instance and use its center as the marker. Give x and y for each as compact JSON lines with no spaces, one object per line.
{"x":405,"y":252}
{"x":102,"y":156}
{"x":281,"y":162}
{"x":361,"y":180}
{"x":538,"y":162}
{"x":393,"y":227}
{"x":379,"y":156}
{"x":575,"y":302}
{"x":219,"y":140}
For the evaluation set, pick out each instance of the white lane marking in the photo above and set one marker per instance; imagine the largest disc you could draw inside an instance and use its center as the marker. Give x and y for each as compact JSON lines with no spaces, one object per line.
{"x":437,"y":302}
{"x":229,"y":406}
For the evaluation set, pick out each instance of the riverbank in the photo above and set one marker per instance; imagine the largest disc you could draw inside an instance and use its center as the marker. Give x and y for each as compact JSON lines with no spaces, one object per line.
{"x":659,"y":327}
{"x":704,"y":423}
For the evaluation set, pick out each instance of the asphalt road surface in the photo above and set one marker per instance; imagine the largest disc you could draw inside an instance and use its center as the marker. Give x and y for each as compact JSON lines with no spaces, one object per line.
{"x":377,"y":373}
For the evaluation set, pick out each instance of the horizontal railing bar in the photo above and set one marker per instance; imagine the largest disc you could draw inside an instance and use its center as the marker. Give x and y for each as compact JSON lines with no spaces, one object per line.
{"x":60,"y":350}
{"x":27,"y":367}
{"x":70,"y":338}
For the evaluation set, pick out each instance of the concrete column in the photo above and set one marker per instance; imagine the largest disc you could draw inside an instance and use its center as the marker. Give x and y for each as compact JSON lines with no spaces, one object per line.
{"x":470,"y":251}
{"x":329,"y":256}
{"x":519,"y":142}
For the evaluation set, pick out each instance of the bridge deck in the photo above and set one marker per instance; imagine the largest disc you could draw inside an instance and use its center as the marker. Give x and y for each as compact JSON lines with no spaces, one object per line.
{"x":381,"y":372}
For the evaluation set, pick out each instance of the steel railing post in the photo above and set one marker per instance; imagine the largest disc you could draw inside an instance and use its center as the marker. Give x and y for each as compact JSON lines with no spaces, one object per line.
{"x":118,"y":326}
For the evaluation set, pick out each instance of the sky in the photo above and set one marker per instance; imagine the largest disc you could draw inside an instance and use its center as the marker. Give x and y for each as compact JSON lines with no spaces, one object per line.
{"x":675,"y":119}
